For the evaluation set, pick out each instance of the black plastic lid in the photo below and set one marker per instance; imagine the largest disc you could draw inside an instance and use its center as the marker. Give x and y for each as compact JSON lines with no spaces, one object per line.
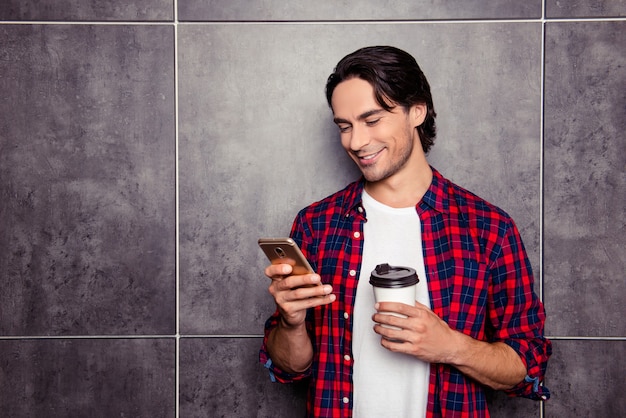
{"x":388,"y":276}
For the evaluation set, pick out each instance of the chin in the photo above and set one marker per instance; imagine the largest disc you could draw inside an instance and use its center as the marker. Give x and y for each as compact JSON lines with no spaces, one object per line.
{"x":373,"y":177}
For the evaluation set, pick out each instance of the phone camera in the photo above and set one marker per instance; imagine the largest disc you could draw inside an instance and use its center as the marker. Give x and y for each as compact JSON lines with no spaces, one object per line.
{"x":280,"y":252}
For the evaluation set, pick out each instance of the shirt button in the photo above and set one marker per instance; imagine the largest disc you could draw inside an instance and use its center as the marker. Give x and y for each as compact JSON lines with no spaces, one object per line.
{"x":346,"y":315}
{"x":360,"y":209}
{"x":357,"y":235}
{"x":346,"y":357}
{"x":352,"y":273}
{"x":346,"y":399}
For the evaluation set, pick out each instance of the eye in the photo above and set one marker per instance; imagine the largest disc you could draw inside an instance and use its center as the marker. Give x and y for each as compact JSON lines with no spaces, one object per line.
{"x":344,"y":128}
{"x":372,"y":122}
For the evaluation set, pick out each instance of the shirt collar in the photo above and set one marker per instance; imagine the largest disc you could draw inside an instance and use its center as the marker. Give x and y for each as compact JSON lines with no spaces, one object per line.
{"x":353,"y":200}
{"x":436,"y":197}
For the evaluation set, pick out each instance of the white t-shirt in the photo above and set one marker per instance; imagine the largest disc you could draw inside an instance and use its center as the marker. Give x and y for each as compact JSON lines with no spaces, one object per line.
{"x":387,"y":384}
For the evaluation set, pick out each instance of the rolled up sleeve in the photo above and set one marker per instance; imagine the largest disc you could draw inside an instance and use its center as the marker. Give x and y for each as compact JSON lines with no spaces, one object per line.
{"x":518,"y":316}
{"x":276,"y":373}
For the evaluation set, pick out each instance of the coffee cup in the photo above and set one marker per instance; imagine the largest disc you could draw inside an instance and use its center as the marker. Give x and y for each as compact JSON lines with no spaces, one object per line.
{"x":394,"y":284}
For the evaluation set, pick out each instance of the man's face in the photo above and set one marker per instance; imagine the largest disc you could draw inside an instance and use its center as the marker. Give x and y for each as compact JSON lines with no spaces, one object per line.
{"x":380,"y":142}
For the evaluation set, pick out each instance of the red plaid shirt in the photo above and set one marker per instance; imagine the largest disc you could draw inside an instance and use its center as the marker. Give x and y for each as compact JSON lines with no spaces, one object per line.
{"x":479,"y":280}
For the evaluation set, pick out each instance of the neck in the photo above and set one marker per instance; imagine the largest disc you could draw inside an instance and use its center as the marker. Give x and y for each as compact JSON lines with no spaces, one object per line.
{"x":401,"y":191}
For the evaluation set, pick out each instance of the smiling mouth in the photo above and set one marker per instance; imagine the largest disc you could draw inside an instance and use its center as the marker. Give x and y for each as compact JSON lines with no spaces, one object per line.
{"x":369,"y":158}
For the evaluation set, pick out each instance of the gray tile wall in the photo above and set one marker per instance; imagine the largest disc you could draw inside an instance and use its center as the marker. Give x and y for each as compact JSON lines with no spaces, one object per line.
{"x":146,"y":145}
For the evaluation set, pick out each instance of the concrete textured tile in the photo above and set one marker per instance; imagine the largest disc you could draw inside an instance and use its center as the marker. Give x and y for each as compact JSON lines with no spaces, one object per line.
{"x":268,"y":10}
{"x":87,"y":378}
{"x":222,"y":377}
{"x":87,"y":10}
{"x":88,"y":180}
{"x":585,"y":8}
{"x":586,"y":379}
{"x":585,"y":178}
{"x":504,"y":406}
{"x":257,"y":142}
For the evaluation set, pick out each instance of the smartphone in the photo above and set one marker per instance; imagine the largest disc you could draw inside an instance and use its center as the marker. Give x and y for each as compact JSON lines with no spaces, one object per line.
{"x":285,"y":251}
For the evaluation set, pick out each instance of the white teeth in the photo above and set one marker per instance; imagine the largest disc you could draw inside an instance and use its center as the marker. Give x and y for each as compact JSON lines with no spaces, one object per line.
{"x":369,"y":157}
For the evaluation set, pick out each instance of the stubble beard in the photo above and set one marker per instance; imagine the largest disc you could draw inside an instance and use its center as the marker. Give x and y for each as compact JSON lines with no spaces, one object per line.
{"x":371,"y":175}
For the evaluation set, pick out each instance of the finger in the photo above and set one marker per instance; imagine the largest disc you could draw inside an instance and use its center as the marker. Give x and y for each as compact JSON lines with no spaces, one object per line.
{"x":390,"y":319}
{"x":389,"y":306}
{"x":397,"y":345}
{"x":388,"y":334}
{"x":315,"y":301}
{"x":291,"y":307}
{"x":294,"y":289}
{"x":306,"y":292}
{"x":278,"y":271}
{"x":294,"y":282}
{"x":396,"y":307}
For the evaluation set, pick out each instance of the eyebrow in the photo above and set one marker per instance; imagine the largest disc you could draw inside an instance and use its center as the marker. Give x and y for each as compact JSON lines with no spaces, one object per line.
{"x":362,"y":116}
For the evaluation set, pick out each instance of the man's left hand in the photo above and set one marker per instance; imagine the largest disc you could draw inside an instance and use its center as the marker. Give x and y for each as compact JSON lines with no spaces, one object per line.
{"x":421,"y":334}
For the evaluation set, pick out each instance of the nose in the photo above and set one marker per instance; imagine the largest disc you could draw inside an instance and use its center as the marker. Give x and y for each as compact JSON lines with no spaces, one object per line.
{"x":359,"y":138}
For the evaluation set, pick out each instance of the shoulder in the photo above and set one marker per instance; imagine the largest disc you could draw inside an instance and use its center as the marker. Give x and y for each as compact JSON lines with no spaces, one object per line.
{"x":490,"y":225}
{"x":448,"y":195}
{"x":318,"y":219}
{"x":469,"y":203}
{"x":475,"y":211}
{"x":339,"y":201}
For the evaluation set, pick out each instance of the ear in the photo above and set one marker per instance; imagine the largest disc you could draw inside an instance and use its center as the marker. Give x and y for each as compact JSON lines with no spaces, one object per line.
{"x":418,"y":114}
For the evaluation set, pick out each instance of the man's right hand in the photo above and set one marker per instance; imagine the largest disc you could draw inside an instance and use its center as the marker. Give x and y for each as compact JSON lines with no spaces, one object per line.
{"x":295,"y":294}
{"x":289,"y":344}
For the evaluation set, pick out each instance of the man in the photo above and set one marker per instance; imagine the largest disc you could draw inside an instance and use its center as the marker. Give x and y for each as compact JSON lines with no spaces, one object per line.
{"x":476,"y":322}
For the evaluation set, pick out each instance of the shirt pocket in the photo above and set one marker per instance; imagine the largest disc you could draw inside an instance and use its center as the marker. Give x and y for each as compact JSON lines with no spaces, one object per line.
{"x":469,"y":297}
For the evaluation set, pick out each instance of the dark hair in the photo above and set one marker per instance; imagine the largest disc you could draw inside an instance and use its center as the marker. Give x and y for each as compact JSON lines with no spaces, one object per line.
{"x":395,"y":77}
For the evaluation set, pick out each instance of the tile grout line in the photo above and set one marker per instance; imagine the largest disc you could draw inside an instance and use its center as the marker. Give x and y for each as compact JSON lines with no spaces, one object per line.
{"x":128,"y":337}
{"x":542,"y":404}
{"x":223,"y":336}
{"x":177,"y":218}
{"x":176,"y":22}
{"x":541,"y":147}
